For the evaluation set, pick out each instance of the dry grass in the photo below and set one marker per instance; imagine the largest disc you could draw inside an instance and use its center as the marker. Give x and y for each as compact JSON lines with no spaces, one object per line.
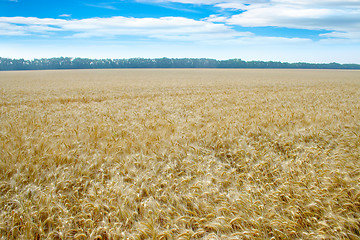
{"x":180,"y":154}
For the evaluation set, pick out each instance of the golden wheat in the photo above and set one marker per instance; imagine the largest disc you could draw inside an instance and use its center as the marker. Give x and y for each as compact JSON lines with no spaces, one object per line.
{"x":180,"y":154}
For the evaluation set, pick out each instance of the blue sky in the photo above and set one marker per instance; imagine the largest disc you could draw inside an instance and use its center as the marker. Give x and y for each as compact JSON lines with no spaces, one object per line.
{"x":276,"y":30}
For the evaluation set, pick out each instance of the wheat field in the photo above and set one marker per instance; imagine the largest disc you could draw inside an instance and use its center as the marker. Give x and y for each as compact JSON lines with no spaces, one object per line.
{"x":180,"y":154}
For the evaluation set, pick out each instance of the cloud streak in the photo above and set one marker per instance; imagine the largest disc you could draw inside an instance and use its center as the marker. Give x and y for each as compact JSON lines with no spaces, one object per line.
{"x":165,"y":28}
{"x":340,"y":17}
{"x":298,"y":17}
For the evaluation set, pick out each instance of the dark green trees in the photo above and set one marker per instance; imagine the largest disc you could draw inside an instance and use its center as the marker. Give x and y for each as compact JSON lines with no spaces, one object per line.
{"x":7,"y":64}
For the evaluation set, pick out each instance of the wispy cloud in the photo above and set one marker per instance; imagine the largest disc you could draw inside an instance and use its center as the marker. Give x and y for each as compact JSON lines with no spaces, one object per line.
{"x":177,"y":8}
{"x":231,"y":5}
{"x":104,"y":5}
{"x":208,"y":2}
{"x":294,"y":16}
{"x":216,"y":18}
{"x":340,"y":17}
{"x":174,"y":29}
{"x":65,"y":15}
{"x":160,"y":28}
{"x":20,"y":28}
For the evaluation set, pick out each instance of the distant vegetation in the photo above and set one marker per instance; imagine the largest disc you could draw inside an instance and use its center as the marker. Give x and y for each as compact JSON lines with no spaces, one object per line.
{"x":7,"y":64}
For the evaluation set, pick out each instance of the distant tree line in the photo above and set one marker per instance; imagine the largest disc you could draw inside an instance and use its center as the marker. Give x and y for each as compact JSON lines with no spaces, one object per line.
{"x":7,"y":64}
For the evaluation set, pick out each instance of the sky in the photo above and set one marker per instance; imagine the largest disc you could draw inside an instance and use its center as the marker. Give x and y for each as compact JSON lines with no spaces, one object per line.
{"x":319,"y":31}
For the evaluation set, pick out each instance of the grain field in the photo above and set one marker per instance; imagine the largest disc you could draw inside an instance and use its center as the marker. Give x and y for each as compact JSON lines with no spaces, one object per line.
{"x":180,"y":154}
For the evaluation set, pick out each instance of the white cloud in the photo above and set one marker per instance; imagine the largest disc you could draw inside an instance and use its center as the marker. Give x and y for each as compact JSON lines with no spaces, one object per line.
{"x":252,"y":40}
{"x":11,"y":29}
{"x":240,"y":3}
{"x":216,"y":18}
{"x":208,"y":2}
{"x":321,"y":3}
{"x":32,"y":21}
{"x":65,"y":15}
{"x":344,"y":35}
{"x":160,"y":28}
{"x":174,"y":28}
{"x":231,"y":5}
{"x":101,"y":5}
{"x":341,"y":38}
{"x":330,"y":15}
{"x":140,"y":30}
